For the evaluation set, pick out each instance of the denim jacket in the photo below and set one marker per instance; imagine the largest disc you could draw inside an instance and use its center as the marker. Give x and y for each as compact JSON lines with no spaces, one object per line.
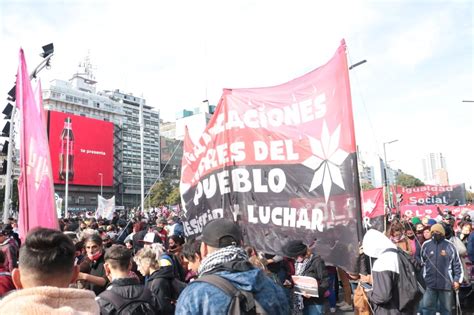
{"x":203,"y":298}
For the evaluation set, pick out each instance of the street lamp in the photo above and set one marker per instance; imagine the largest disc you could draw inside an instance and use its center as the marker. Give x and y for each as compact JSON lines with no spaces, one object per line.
{"x":357,"y":64}
{"x":385,"y":166}
{"x":101,"y":182}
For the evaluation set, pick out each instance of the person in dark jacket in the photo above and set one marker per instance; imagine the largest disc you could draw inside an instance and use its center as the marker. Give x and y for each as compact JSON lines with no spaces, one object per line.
{"x":92,"y":267}
{"x":442,"y":272}
{"x":309,"y":265}
{"x":118,"y":263}
{"x":385,"y":274}
{"x":158,"y":273}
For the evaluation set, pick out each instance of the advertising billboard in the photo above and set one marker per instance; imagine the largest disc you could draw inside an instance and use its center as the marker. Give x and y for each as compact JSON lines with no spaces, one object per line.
{"x":82,"y":149}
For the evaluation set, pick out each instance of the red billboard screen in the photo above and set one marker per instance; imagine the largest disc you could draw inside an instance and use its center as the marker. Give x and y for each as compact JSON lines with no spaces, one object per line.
{"x":82,"y":149}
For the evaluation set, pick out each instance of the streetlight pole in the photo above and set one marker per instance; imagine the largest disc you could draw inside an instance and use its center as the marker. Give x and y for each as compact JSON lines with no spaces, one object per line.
{"x":101,"y":182}
{"x":142,"y":173}
{"x":385,"y":168}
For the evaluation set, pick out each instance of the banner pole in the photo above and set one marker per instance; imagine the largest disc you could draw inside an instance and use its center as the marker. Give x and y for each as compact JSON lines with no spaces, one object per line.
{"x":67,"y":179}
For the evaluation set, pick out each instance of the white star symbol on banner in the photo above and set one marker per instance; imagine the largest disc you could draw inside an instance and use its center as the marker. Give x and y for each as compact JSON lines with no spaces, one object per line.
{"x":326,"y":159}
{"x":369,"y":206}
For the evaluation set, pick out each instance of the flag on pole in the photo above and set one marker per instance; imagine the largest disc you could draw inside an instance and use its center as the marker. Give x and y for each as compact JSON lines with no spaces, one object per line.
{"x":35,"y":185}
{"x":281,"y":161}
{"x":373,"y":209}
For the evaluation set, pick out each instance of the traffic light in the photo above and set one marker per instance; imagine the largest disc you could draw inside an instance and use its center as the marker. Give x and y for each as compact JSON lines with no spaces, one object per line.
{"x":3,"y":171}
{"x":6,"y":130}
{"x":7,"y":111}
{"x":5,"y":147}
{"x":12,"y":94}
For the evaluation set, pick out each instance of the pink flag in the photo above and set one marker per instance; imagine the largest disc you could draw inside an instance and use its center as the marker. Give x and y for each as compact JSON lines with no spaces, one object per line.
{"x":39,"y":103}
{"x":35,"y":185}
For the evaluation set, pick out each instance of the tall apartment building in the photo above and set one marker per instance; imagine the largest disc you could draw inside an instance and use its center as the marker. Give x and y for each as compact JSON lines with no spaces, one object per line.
{"x":366,"y":171}
{"x":435,"y":169}
{"x":78,"y":96}
{"x":131,"y":145}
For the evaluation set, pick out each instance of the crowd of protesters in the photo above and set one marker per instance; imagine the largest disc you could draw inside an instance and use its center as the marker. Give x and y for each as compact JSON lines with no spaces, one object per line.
{"x":142,"y":264}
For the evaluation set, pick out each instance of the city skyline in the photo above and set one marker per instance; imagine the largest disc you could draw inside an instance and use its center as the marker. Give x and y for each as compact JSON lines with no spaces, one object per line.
{"x":418,"y":70}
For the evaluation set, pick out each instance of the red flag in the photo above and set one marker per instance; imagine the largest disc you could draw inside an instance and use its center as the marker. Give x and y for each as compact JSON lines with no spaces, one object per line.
{"x":281,"y":161}
{"x":35,"y":185}
{"x":372,"y":203}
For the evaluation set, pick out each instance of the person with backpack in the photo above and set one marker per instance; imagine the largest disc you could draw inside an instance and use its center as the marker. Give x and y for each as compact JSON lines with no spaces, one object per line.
{"x":442,"y":270}
{"x":159,"y":277}
{"x":387,"y":283}
{"x":227,"y":282}
{"x":125,"y":294}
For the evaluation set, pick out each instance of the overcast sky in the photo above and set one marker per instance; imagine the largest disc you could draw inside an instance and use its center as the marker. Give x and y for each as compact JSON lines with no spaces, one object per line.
{"x":178,"y":53}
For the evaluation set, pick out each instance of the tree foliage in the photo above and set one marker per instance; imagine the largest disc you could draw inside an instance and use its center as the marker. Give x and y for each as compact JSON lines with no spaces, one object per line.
{"x":174,"y":196}
{"x":164,"y":193}
{"x":469,"y":196}
{"x":407,"y":180}
{"x":366,"y":186}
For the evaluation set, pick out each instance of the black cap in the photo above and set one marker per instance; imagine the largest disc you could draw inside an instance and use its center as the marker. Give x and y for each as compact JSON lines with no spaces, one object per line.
{"x":221,"y":233}
{"x":294,"y":248}
{"x":5,"y":229}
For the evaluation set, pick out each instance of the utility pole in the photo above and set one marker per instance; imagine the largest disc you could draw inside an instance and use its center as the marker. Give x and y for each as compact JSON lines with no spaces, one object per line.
{"x":142,"y":174}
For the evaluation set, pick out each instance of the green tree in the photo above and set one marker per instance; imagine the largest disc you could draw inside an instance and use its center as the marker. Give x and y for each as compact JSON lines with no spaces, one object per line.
{"x":159,"y":192}
{"x":174,"y":196}
{"x":407,"y":180}
{"x":366,"y":186}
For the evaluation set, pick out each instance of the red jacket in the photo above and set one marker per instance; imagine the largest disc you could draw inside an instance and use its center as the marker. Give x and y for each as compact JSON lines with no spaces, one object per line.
{"x":6,"y":283}
{"x":10,"y":249}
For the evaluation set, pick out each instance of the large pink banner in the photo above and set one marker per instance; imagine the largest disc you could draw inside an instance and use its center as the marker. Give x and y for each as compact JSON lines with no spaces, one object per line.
{"x":35,"y":185}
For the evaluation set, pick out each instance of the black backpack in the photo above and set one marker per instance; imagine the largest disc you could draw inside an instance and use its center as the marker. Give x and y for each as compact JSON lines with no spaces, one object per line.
{"x":242,"y":302}
{"x":143,"y":305}
{"x":177,"y":286}
{"x":411,"y":285}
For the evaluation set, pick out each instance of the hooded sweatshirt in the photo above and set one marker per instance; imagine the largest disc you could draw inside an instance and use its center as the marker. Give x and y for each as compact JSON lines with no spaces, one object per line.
{"x":160,"y":286}
{"x":385,"y":273}
{"x":50,"y":300}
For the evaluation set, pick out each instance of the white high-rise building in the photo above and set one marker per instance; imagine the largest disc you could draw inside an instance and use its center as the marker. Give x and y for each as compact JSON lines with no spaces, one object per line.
{"x":432,"y":164}
{"x":78,"y":96}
